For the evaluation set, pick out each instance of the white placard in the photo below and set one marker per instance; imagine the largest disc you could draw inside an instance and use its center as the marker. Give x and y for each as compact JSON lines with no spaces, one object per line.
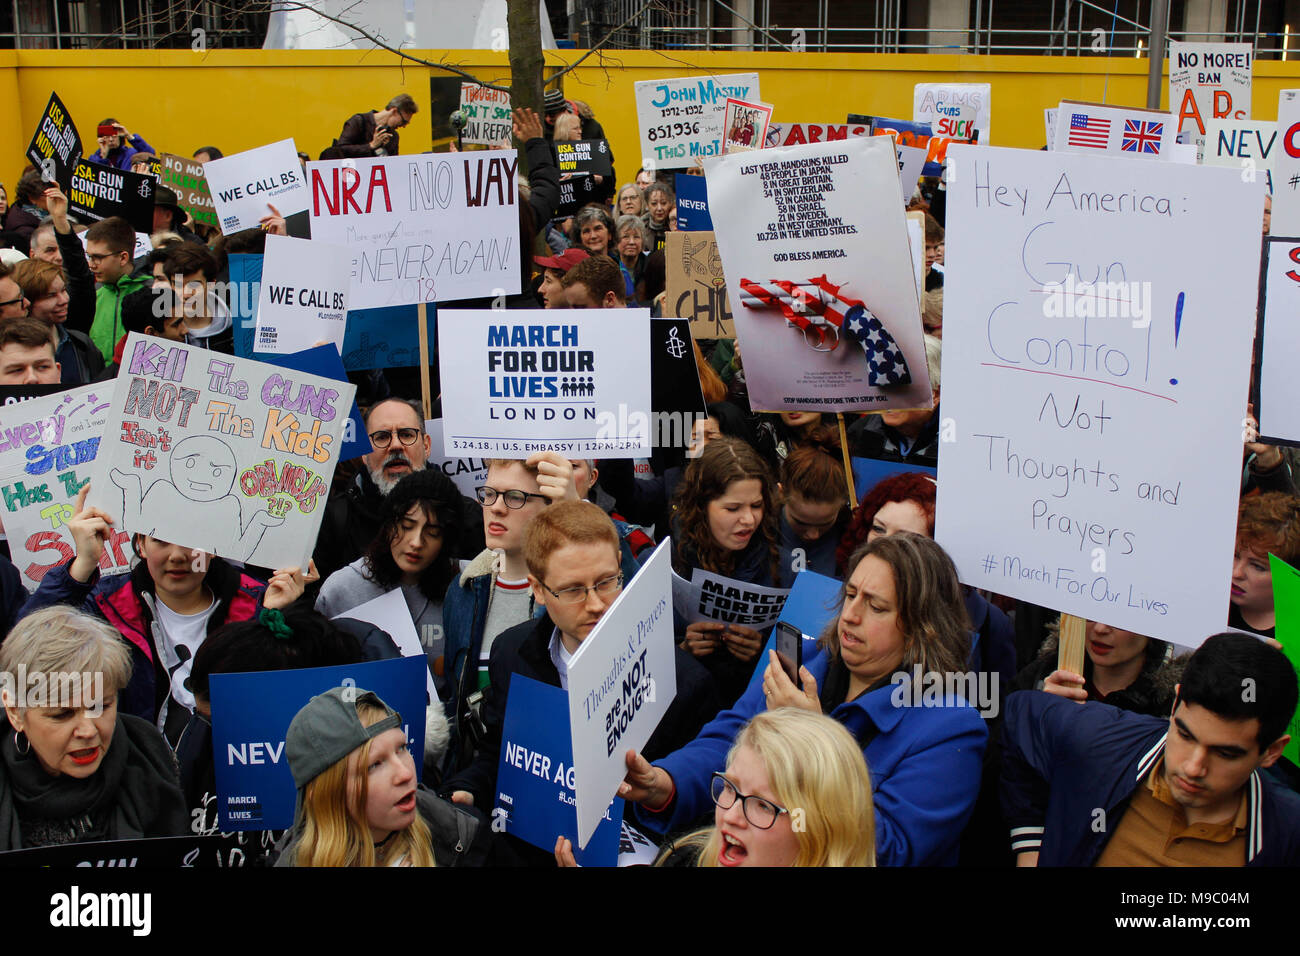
{"x":425,"y":228}
{"x":487,"y":115}
{"x":1248,"y":145}
{"x":47,"y":449}
{"x":143,"y":244}
{"x":1286,"y":166}
{"x":681,"y":119}
{"x":389,"y":613}
{"x":531,"y":380}
{"x":910,"y":158}
{"x":244,"y":183}
{"x":916,"y":242}
{"x":812,"y":239}
{"x":467,"y":474}
{"x":220,"y":453}
{"x":304,"y":295}
{"x":1120,"y":131}
{"x":943,"y":105}
{"x":1096,"y":430}
{"x":1208,"y":81}
{"x":622,"y":680}
{"x":716,"y":597}
{"x":1279,"y":386}
{"x":1049,"y":126}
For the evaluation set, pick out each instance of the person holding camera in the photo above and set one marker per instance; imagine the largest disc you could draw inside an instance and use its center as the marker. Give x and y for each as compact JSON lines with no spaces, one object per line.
{"x":375,"y":133}
{"x":117,"y":145}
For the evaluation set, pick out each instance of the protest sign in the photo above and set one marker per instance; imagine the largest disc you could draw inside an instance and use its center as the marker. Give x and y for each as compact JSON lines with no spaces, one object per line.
{"x":1243,"y":144}
{"x":954,"y":109}
{"x":243,"y":184}
{"x":527,"y":381}
{"x":1286,"y":166}
{"x":324,"y":361}
{"x":100,"y":192}
{"x":220,"y":453}
{"x":675,"y":390}
{"x":692,"y":204}
{"x":421,"y":228}
{"x":55,"y":145}
{"x":744,"y":125}
{"x":13,"y":394}
{"x":143,"y":244}
{"x":697,"y":289}
{"x":536,"y":776}
{"x":813,"y":602}
{"x":1286,"y":607}
{"x":47,"y":447}
{"x":251,"y":714}
{"x":682,"y":118}
{"x":622,"y":679}
{"x":1208,"y":81}
{"x":1096,"y":395}
{"x":218,"y":851}
{"x":1277,"y":389}
{"x":185,"y":177}
{"x":914,"y":136}
{"x":814,"y":245}
{"x":487,"y":115}
{"x":304,"y":295}
{"x":590,"y":156}
{"x":153,"y":163}
{"x":575,"y":192}
{"x":916,"y":243}
{"x":1049,"y":126}
{"x":796,"y":134}
{"x":869,"y":472}
{"x":467,"y":474}
{"x":390,"y":614}
{"x":716,"y":597}
{"x":1124,"y":131}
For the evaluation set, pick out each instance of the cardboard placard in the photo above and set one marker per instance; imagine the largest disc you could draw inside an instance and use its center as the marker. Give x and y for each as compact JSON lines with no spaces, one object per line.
{"x":622,"y":680}
{"x":697,"y":289}
{"x":56,"y":144}
{"x":1089,"y":472}
{"x":681,"y":118}
{"x":220,"y":453}
{"x":421,"y":228}
{"x":243,"y":185}
{"x":819,"y":273}
{"x":536,"y":380}
{"x":185,"y":177}
{"x":487,"y":115}
{"x":47,"y":450}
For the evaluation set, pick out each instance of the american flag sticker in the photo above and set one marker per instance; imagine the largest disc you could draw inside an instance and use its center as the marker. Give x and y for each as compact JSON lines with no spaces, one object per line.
{"x":1142,"y":137}
{"x":1091,"y":131}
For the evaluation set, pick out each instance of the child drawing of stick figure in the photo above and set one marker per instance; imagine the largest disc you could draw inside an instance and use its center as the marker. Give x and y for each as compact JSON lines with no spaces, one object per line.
{"x":199,"y":493}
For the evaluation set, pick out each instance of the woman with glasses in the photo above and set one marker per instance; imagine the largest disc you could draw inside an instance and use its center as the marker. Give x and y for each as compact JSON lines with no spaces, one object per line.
{"x":632,"y":255}
{"x":413,"y":550}
{"x":901,"y":626}
{"x":795,"y":792}
{"x":44,"y":287}
{"x":573,"y":557}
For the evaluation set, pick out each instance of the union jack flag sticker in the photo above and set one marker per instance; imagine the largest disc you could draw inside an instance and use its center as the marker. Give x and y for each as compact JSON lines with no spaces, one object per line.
{"x":1142,"y":137}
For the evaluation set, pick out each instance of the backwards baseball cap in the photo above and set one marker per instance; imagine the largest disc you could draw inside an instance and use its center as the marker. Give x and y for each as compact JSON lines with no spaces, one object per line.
{"x":328,"y":728}
{"x":565,"y":261}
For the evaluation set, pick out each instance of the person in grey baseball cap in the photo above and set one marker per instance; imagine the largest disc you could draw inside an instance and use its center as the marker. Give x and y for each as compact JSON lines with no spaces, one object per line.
{"x":359,"y":798}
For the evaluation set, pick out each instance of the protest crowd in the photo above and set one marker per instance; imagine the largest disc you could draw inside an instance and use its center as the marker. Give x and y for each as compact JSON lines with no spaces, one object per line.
{"x":832,"y":685}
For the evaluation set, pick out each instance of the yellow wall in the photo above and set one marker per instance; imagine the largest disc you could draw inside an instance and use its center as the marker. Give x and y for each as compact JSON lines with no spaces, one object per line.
{"x":180,"y":100}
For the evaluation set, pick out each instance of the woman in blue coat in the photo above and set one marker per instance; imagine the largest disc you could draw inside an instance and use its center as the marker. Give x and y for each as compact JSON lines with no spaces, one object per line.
{"x":888,"y":668}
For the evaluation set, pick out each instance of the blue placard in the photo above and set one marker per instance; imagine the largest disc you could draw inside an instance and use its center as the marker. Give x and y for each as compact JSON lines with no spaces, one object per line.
{"x":909,"y":134}
{"x":813,"y":601}
{"x":374,"y":338}
{"x":693,"y":204}
{"x":868,"y":472}
{"x":535,"y":785}
{"x":324,"y":361}
{"x":251,"y":714}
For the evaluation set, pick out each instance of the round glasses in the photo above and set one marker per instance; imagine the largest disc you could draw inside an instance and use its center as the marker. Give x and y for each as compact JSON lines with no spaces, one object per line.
{"x":407,"y":436}
{"x":760,"y":812}
{"x":515,"y":499}
{"x":607,"y":588}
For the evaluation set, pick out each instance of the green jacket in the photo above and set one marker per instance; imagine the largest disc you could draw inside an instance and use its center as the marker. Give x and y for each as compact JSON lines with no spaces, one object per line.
{"x":107,"y":327}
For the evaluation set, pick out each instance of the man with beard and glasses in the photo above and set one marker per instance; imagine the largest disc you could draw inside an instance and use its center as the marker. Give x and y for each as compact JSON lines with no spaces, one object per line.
{"x":396,"y":430}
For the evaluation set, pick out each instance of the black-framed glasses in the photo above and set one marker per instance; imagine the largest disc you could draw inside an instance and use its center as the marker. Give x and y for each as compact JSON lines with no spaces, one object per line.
{"x":515,"y":499}
{"x":7,"y":302}
{"x":383,"y":439}
{"x":759,"y":811}
{"x":97,"y":257}
{"x":607,"y":588}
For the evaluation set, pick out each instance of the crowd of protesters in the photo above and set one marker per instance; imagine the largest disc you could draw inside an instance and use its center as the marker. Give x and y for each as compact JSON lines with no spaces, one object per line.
{"x":753,"y":764}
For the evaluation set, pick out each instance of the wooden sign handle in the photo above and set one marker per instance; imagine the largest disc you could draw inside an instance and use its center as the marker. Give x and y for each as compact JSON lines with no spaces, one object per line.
{"x":426,"y":389}
{"x":1069,"y":653}
{"x":848,"y":466}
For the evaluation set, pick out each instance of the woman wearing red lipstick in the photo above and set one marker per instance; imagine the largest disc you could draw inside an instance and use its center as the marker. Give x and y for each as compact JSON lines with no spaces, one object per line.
{"x":72,"y":768}
{"x":724,"y":521}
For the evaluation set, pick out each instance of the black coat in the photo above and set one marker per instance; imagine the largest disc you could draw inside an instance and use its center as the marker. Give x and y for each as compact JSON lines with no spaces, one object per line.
{"x":525,"y":649}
